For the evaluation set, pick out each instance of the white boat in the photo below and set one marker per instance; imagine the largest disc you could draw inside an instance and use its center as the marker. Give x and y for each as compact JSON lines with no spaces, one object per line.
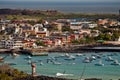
{"x":15,"y":55}
{"x":100,"y":63}
{"x":109,"y":59}
{"x":41,"y":63}
{"x":115,"y":62}
{"x":29,"y":61}
{"x":93,"y":57}
{"x":70,"y":58}
{"x":67,"y":55}
{"x":28,"y":57}
{"x":79,"y":54}
{"x":62,"y":74}
{"x":86,"y":60}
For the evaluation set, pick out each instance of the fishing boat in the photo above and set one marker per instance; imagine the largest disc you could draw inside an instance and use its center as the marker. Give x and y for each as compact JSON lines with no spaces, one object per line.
{"x":100,"y":63}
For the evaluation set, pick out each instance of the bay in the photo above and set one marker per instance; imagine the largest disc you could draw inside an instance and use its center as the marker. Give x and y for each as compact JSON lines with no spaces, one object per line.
{"x":75,"y":67}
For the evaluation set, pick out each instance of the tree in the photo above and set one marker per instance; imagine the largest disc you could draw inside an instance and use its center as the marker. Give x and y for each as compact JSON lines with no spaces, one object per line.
{"x":75,"y":41}
{"x":115,"y":36}
{"x":107,"y":37}
{"x":40,"y":43}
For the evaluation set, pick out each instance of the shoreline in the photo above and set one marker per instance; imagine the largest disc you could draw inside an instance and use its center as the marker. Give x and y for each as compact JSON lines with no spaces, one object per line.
{"x":68,"y":49}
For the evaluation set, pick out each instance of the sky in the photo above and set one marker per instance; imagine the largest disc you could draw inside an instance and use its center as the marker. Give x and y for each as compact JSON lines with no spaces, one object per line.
{"x":69,"y":0}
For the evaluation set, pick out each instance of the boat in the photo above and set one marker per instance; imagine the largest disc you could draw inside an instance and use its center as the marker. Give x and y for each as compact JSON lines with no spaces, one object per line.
{"x":1,"y":59}
{"x":63,"y":74}
{"x":99,"y":64}
{"x":115,"y":62}
{"x":93,"y":58}
{"x":98,"y":56}
{"x":79,"y":54}
{"x":109,"y":58}
{"x":87,"y":60}
{"x":29,"y":61}
{"x":15,"y":55}
{"x":67,"y":55}
{"x":70,"y":58}
{"x":41,"y":63}
{"x":28,"y":57}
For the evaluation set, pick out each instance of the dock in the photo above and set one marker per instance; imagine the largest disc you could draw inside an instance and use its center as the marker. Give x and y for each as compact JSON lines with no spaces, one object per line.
{"x":39,"y":54}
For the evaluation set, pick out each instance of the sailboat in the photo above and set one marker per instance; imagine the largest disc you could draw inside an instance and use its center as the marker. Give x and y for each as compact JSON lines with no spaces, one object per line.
{"x":109,"y":59}
{"x":99,"y":64}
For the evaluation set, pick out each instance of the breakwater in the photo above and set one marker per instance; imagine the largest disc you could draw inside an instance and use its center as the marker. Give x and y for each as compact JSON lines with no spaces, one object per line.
{"x":67,"y":49}
{"x":87,"y":48}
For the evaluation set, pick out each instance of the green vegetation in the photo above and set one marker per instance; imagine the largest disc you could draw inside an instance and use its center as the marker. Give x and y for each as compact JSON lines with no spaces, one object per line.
{"x":40,"y":43}
{"x":8,"y":73}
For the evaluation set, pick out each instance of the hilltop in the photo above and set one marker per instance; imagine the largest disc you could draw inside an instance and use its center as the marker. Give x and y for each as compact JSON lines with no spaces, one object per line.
{"x":53,"y":14}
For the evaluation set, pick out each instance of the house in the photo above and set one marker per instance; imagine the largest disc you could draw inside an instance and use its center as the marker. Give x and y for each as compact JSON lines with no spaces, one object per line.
{"x":43,"y":33}
{"x":102,"y":21}
{"x":92,"y":25}
{"x":11,"y":44}
{"x":75,"y":25}
{"x":28,"y":43}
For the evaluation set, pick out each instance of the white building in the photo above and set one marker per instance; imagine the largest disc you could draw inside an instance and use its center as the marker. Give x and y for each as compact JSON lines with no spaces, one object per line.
{"x":92,"y":25}
{"x":75,"y":25}
{"x":11,"y":44}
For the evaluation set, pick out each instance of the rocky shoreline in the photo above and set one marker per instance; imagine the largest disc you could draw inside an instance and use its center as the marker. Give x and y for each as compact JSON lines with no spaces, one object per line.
{"x":68,"y":49}
{"x":87,"y":48}
{"x":49,"y":78}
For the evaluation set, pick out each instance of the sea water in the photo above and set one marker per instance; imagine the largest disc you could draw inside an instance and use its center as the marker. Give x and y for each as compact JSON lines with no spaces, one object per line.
{"x":75,"y":67}
{"x":66,"y":7}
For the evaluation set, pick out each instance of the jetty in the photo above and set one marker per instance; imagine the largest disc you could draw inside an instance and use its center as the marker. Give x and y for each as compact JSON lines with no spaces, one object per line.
{"x":39,"y":54}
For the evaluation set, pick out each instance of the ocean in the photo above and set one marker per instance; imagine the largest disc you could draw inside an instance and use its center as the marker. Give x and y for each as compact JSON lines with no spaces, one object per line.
{"x":66,"y":7}
{"x":75,"y":67}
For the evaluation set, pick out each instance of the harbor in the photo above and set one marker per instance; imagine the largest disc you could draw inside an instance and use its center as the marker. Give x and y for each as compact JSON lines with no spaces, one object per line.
{"x":69,"y":65}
